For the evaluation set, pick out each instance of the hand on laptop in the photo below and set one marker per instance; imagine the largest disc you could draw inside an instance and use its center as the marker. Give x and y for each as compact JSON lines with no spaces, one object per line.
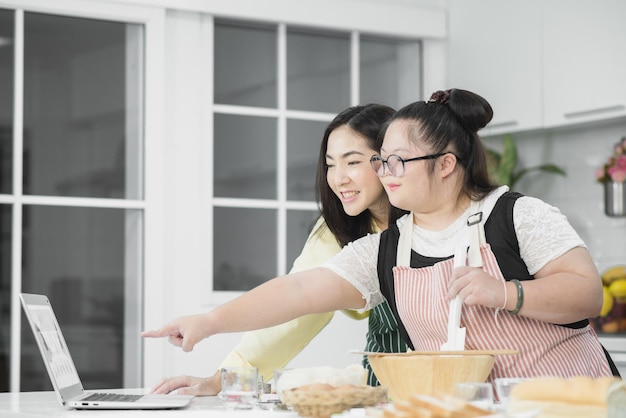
{"x":189,"y":385}
{"x":184,"y":332}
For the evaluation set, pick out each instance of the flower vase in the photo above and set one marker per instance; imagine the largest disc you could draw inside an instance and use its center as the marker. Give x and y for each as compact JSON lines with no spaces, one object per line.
{"x":615,"y":198}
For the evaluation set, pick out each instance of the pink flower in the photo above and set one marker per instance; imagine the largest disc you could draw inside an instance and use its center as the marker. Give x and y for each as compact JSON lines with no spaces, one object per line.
{"x":615,"y":167}
{"x":618,"y":176}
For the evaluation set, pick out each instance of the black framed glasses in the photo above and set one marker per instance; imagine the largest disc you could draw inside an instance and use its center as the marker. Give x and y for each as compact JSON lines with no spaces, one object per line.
{"x":395,"y":163}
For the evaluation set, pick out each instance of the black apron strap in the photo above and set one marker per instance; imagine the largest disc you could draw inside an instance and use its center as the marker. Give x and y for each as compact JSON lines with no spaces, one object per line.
{"x":611,"y":363}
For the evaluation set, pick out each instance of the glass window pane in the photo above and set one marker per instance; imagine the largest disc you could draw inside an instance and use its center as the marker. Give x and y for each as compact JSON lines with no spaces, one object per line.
{"x":245,"y":157}
{"x":318,"y":71}
{"x":244,"y":251}
{"x":303,"y":147}
{"x":77,"y":257}
{"x":81,"y":108}
{"x":6,"y":100}
{"x":390,"y":71}
{"x":5,"y":296}
{"x":245,"y":64}
{"x":299,"y":225}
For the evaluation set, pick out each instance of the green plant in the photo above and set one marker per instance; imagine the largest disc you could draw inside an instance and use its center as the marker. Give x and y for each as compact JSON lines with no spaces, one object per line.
{"x":502,"y":166}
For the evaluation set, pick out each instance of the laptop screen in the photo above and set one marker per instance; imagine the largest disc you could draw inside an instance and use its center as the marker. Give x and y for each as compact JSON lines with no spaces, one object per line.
{"x":52,"y":345}
{"x":54,"y":348}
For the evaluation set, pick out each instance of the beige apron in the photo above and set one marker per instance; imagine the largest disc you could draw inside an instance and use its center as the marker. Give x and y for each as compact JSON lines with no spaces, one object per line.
{"x":544,"y":349}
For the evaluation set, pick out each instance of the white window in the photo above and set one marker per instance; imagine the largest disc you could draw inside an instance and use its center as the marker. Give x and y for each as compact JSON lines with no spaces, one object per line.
{"x":276,"y":88}
{"x":72,"y":188}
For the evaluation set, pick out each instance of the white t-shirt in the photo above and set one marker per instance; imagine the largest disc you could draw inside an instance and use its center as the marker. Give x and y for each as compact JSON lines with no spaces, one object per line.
{"x":543,"y":233}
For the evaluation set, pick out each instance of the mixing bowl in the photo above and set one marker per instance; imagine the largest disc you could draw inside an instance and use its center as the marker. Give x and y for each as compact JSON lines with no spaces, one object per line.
{"x":432,"y":373}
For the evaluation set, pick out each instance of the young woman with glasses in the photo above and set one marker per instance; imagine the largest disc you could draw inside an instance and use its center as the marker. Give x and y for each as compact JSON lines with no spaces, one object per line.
{"x":523,"y":275}
{"x":353,"y":204}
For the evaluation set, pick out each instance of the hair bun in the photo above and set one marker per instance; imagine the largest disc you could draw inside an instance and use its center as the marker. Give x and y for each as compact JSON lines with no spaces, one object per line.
{"x":471,"y":109}
{"x":440,"y":96}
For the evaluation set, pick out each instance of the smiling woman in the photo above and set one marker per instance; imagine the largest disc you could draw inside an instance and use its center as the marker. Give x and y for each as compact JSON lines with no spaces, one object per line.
{"x":353,"y":204}
{"x":350,"y":177}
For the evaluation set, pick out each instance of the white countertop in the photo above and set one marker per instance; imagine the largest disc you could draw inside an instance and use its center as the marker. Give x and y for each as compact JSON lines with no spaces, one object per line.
{"x":46,"y":404}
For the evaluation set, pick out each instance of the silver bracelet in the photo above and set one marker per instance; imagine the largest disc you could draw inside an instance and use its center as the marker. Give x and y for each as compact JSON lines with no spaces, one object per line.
{"x":520,"y":297}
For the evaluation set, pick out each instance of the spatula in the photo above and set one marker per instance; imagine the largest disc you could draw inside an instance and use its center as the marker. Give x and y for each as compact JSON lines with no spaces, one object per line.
{"x":456,"y":334}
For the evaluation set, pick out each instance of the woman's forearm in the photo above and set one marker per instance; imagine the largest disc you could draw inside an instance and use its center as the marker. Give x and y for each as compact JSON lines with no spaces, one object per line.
{"x":270,"y":303}
{"x":284,"y":298}
{"x":312,"y":291}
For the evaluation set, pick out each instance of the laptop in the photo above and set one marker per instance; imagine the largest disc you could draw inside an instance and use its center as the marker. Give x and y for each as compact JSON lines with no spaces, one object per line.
{"x":62,"y":371}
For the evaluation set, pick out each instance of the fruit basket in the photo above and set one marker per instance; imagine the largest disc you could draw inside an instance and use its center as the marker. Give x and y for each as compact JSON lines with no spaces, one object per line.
{"x":612,"y":318}
{"x":323,"y":400}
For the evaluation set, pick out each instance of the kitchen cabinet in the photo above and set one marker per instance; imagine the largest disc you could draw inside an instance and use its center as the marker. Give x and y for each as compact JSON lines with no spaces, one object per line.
{"x":494,"y":50}
{"x":584,"y":61}
{"x":540,"y":63}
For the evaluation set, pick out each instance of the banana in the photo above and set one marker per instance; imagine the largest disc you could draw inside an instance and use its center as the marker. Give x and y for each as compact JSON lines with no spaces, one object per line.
{"x":613,"y":273}
{"x":607,"y":302}
{"x":618,"y":289}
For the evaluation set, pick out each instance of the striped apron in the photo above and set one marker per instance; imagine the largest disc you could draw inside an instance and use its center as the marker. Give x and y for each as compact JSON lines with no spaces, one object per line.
{"x":544,"y":349}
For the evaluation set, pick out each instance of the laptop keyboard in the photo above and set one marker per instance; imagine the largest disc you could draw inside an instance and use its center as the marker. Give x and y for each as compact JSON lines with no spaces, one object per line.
{"x":111,"y":397}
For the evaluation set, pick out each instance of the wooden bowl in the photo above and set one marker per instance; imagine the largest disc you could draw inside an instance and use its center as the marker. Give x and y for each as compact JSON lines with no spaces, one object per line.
{"x":417,"y":373}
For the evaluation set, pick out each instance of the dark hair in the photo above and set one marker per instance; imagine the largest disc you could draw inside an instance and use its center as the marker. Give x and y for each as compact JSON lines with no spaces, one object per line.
{"x":366,"y":120}
{"x":450,"y":121}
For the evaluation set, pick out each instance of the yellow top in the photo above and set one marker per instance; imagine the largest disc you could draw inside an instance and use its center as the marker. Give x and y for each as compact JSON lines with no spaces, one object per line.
{"x":272,"y":348}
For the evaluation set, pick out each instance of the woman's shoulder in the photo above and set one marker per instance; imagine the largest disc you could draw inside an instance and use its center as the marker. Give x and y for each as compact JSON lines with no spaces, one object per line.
{"x":522,"y":208}
{"x":320,"y":227}
{"x":320,"y":245}
{"x":529,"y":206}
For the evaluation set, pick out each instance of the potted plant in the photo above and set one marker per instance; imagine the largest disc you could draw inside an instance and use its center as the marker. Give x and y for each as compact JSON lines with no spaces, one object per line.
{"x":613,"y":176}
{"x":502,"y":166}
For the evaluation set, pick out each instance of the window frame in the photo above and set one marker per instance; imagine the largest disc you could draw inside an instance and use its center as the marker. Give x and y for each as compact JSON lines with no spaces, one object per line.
{"x":135,"y":355}
{"x":281,"y":203}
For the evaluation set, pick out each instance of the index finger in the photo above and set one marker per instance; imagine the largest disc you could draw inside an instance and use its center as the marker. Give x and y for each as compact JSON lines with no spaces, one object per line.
{"x":155,"y":333}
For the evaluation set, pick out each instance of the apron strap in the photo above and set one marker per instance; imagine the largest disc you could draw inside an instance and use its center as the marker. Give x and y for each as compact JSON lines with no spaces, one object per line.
{"x":476,"y":232}
{"x":403,"y":255}
{"x":474,"y":238}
